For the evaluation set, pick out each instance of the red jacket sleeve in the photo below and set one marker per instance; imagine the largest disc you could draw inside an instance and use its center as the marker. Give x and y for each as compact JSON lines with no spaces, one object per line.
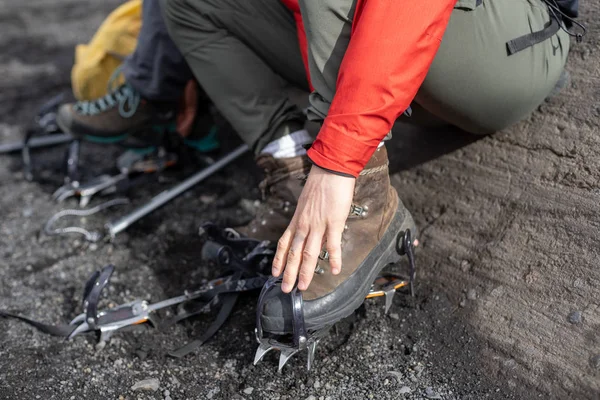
{"x":391,"y":47}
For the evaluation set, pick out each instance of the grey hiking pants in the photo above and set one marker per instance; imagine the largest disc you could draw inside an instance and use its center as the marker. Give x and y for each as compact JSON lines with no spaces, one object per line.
{"x":156,"y":68}
{"x":244,"y":52}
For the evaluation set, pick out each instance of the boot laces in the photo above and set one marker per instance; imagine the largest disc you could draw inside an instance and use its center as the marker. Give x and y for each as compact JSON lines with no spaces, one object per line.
{"x":124,"y":96}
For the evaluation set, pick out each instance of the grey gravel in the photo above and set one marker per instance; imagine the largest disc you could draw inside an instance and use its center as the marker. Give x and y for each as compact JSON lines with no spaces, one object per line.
{"x":151,"y":384}
{"x":248,"y":390}
{"x":472,"y":294}
{"x":42,"y":277}
{"x":404,"y":390}
{"x":575,"y":317}
{"x":595,"y":362}
{"x":431,"y":394}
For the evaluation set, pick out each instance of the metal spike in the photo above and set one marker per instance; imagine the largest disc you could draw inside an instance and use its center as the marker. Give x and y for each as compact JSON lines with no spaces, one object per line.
{"x":389,"y":299}
{"x":105,"y":335}
{"x":311,"y":354}
{"x":83,"y":327}
{"x":263,"y":349}
{"x":284,"y":357}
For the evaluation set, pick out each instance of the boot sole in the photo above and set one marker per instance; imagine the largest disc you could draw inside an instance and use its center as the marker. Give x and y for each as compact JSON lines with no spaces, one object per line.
{"x":387,"y":248}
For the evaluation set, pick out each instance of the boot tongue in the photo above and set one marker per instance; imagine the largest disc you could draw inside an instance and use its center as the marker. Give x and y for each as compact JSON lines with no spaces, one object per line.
{"x":281,"y":175}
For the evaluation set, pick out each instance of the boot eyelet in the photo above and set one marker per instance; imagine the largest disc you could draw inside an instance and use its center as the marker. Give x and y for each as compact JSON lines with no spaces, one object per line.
{"x":319,"y":270}
{"x":359,"y":211}
{"x":324,"y":255}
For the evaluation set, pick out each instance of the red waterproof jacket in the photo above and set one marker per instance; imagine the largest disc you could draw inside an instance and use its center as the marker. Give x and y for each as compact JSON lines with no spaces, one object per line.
{"x":392,"y":45}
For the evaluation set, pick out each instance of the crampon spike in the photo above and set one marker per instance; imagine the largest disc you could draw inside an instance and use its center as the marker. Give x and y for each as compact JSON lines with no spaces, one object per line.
{"x":284,"y":357}
{"x":389,"y":299}
{"x":263,"y":349}
{"x":410,"y":253}
{"x":311,"y":354}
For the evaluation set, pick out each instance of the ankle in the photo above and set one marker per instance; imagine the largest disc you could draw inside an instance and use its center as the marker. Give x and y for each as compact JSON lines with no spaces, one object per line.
{"x":292,"y":145}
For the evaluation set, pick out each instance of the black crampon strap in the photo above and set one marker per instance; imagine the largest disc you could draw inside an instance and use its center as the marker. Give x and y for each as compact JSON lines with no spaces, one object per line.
{"x":226,"y":295}
{"x":227,"y":304}
{"x":62,"y":330}
{"x":91,"y":296}
{"x":525,"y":41}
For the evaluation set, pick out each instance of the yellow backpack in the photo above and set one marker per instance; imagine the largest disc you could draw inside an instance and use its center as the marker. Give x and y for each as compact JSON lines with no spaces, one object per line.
{"x":96,"y":61}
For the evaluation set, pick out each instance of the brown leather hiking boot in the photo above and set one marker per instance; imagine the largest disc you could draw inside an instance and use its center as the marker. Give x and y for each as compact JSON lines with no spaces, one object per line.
{"x":372,"y":239}
{"x":284,"y":178}
{"x":120,"y":116}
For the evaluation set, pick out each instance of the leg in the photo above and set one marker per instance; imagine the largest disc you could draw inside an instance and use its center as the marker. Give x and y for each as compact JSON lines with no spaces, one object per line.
{"x":156,"y":69}
{"x":328,"y":25}
{"x":234,"y":49}
{"x":155,"y":78}
{"x":474,"y":84}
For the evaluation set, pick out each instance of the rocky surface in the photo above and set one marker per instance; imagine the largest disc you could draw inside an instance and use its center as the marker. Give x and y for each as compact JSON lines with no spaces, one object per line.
{"x":509,"y":289}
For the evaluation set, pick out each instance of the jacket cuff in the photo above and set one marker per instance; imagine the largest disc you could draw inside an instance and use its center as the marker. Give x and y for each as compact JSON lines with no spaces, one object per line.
{"x":339,"y":152}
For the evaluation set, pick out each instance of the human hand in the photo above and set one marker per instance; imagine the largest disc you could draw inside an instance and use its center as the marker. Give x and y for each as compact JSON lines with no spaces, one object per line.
{"x":320,"y":218}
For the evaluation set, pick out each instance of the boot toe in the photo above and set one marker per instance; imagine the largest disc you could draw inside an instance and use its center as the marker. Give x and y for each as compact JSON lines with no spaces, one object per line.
{"x":276,"y":317}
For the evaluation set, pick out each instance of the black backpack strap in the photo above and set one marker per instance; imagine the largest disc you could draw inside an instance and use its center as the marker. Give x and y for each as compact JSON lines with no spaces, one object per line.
{"x":525,"y":41}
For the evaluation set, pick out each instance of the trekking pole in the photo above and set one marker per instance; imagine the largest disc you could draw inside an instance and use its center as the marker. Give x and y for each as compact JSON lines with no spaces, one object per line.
{"x":36,"y":142}
{"x":115,"y":227}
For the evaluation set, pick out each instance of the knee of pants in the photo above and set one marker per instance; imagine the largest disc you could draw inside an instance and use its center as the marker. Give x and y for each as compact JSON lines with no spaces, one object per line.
{"x":173,"y":11}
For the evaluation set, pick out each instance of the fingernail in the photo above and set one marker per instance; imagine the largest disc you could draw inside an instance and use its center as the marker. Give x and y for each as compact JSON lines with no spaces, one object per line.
{"x":302,"y":286}
{"x":286,"y":288}
{"x":275,"y":272}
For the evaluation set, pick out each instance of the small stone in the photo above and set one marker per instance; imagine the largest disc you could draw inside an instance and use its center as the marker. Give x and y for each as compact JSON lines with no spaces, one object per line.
{"x":142,"y":354}
{"x":575,"y":317}
{"x":248,"y":390}
{"x":394,"y":316}
{"x":462,"y":303}
{"x":472,"y":294}
{"x":317,"y":384}
{"x":465,"y":266}
{"x":167,"y":393}
{"x":27,"y":212}
{"x":311,"y":397}
{"x":431,"y":394}
{"x":168,"y":398}
{"x":595,"y":361}
{"x":147,"y":384}
{"x":397,"y":376}
{"x":404,"y":390}
{"x":121,"y":397}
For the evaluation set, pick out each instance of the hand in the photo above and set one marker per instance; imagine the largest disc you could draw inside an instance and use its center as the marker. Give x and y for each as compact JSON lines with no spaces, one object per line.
{"x":320,"y":218}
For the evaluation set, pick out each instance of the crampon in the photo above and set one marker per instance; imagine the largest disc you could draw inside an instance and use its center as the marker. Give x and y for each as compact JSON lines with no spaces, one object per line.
{"x":134,"y":168}
{"x":244,"y":261}
{"x":302,"y":338}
